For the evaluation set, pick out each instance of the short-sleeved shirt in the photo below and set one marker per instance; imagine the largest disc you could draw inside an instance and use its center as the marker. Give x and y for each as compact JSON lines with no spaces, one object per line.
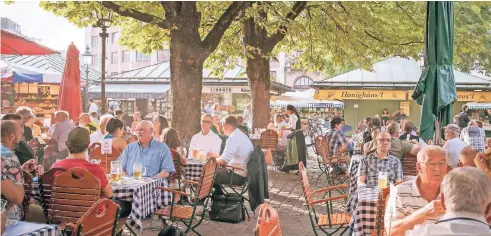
{"x":60,"y":133}
{"x":453,"y":147}
{"x":403,"y":201}
{"x":399,"y":148}
{"x":210,"y":142}
{"x":155,"y":158}
{"x":94,"y":169}
{"x":283,"y":140}
{"x":336,"y":140}
{"x":11,"y":170}
{"x":476,"y":138}
{"x":237,"y":152}
{"x":399,"y":116}
{"x":372,"y":165}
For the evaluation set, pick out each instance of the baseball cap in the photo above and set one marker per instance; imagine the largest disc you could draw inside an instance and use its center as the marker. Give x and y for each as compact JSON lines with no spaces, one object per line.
{"x":79,"y":137}
{"x":453,"y":127}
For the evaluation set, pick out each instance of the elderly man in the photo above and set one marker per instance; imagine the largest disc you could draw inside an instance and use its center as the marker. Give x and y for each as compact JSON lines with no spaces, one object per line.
{"x":154,"y":155}
{"x":380,"y":161}
{"x":467,"y":156}
{"x":26,"y":112}
{"x":206,"y":140}
{"x":238,"y":149}
{"x":85,"y":122}
{"x":60,"y":132}
{"x":466,"y":193}
{"x":399,"y":148}
{"x":417,"y":201}
{"x":474,"y":136}
{"x":99,"y":134}
{"x":453,"y":145}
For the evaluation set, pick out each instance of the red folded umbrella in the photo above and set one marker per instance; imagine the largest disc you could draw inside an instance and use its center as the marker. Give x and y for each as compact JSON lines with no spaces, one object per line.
{"x":17,"y":45}
{"x":69,"y":98}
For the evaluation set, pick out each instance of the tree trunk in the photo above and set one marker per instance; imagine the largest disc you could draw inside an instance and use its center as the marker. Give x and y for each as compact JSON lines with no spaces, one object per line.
{"x":186,"y":65}
{"x":259,"y":82}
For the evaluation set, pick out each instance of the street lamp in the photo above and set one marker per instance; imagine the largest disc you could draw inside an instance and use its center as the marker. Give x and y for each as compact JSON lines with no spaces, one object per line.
{"x":103,"y":21}
{"x":87,"y":63}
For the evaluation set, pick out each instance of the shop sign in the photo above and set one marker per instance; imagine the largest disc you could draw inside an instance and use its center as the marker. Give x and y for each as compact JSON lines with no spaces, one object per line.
{"x":130,"y":95}
{"x":465,"y":96}
{"x":226,"y":90}
{"x":362,"y":94}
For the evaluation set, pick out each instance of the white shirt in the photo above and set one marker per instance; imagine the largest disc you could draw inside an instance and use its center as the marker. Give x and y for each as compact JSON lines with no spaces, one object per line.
{"x":210,"y":142}
{"x":93,"y":108}
{"x":449,"y":225}
{"x":60,"y":133}
{"x":96,"y":137}
{"x":283,"y":140}
{"x":403,"y":201}
{"x":453,"y":147}
{"x":292,"y":122}
{"x":238,"y":149}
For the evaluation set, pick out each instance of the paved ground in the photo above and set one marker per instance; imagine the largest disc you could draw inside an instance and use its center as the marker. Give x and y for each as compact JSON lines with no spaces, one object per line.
{"x":286,"y":196}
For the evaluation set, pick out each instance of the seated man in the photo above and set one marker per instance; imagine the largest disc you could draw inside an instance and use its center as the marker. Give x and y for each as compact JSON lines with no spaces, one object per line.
{"x":380,"y":161}
{"x":97,"y":136}
{"x":206,"y":140}
{"x":417,"y":201}
{"x":467,"y":156}
{"x":23,"y":152}
{"x":399,"y":148}
{"x":84,"y":121}
{"x":453,"y":146}
{"x":154,"y":155}
{"x":466,"y":193}
{"x":60,"y":132}
{"x":238,"y":149}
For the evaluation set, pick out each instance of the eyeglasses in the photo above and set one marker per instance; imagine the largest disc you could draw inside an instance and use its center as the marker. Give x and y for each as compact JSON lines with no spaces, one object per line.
{"x":386,"y":140}
{"x":434,"y":165}
{"x":206,"y":122}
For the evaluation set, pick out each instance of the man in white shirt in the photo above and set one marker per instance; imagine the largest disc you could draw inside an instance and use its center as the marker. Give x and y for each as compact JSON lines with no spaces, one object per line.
{"x":453,"y":145}
{"x":60,"y":131}
{"x":97,"y":136}
{"x":237,"y":152}
{"x":206,"y":140}
{"x":93,"y":107}
{"x":417,"y":201}
{"x":466,"y":193}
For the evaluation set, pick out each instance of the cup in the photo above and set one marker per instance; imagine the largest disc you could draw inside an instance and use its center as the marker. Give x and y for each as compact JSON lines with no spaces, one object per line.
{"x":195,"y":153}
{"x":382,"y":180}
{"x":137,"y":170}
{"x":116,"y":174}
{"x":202,"y":157}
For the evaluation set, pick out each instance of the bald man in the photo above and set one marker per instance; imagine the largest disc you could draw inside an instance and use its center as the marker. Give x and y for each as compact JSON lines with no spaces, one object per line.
{"x":467,"y":156}
{"x":154,"y":155}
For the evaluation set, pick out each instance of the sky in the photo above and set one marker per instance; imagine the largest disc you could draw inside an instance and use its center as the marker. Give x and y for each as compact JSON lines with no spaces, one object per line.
{"x":53,"y":31}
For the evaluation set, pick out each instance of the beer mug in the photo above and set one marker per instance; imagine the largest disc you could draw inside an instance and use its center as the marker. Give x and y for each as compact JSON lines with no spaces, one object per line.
{"x":116,"y":174}
{"x":137,"y":170}
{"x":382,"y":180}
{"x":195,"y":153}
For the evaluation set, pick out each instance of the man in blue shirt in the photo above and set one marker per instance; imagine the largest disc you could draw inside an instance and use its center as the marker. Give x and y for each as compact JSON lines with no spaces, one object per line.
{"x":154,"y":155}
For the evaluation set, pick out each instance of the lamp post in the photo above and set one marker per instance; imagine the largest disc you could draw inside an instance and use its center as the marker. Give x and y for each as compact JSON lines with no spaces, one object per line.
{"x":87,"y":63}
{"x":103,"y":21}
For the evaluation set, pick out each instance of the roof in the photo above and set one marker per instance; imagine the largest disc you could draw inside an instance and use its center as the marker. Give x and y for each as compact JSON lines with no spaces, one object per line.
{"x":395,"y":72}
{"x":160,"y":73}
{"x":52,"y":64}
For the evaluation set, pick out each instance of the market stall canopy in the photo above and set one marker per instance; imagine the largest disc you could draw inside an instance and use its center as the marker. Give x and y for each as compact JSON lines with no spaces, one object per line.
{"x":307,"y":95}
{"x":308,"y":104}
{"x":479,"y":106}
{"x":131,"y":91}
{"x":396,"y":73}
{"x":19,"y":74}
{"x":15,"y":44}
{"x":50,"y":67}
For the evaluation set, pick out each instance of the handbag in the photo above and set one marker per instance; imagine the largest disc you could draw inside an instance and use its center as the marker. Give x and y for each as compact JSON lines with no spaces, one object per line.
{"x":227,"y":208}
{"x":268,"y":156}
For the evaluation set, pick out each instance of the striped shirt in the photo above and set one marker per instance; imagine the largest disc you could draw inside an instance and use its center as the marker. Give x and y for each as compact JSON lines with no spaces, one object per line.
{"x":403,"y":201}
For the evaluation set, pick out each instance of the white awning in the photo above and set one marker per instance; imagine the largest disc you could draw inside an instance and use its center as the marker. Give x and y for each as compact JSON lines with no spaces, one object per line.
{"x":129,"y":91}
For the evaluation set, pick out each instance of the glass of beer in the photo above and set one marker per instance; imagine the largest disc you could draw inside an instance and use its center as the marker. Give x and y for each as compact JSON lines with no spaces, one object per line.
{"x":202,"y":157}
{"x":382,"y":180}
{"x":116,"y":175}
{"x":195,"y":153}
{"x":137,"y":170}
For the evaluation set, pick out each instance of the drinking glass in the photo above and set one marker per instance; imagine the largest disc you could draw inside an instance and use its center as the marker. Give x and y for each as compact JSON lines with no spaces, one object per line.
{"x":12,"y":214}
{"x":116,"y":174}
{"x":202,"y":157}
{"x":195,"y":153}
{"x":137,"y":170}
{"x":382,"y":180}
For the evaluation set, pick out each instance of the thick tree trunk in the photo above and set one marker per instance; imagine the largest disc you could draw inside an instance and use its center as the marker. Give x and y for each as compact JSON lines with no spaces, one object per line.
{"x":259,"y":82}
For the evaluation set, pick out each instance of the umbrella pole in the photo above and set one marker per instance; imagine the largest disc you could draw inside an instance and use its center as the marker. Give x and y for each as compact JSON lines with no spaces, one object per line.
{"x":436,"y":137}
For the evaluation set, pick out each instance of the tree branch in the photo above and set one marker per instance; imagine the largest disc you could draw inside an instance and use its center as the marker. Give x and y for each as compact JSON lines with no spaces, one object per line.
{"x":383,"y":41}
{"x":274,"y":39}
{"x":138,"y":15}
{"x":171,"y":8}
{"x":212,"y":40}
{"x":407,"y":14}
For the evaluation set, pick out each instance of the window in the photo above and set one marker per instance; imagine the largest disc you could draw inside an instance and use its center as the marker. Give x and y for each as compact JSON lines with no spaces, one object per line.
{"x":94,"y":41}
{"x":272,"y":75}
{"x":126,"y":56}
{"x":114,"y":57}
{"x":140,"y":57}
{"x":95,"y":59}
{"x":114,"y":37}
{"x":163,"y":55}
{"x":302,"y":83}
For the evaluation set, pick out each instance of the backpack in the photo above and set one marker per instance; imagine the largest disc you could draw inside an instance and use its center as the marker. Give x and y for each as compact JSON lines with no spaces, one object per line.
{"x":171,"y":231}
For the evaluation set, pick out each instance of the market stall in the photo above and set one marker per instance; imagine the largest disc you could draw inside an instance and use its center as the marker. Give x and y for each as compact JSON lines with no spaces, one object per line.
{"x":481,"y":111}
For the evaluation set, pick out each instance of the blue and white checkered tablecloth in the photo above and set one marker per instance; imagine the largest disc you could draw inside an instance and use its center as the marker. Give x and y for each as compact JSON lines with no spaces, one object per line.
{"x":364,"y":216}
{"x":193,"y":170}
{"x":32,"y":229}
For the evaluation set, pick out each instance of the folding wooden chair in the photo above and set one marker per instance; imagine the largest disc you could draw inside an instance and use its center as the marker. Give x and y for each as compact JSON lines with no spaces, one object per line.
{"x":332,"y":221}
{"x":27,"y":192}
{"x":100,"y":220}
{"x":381,"y":206}
{"x":329,"y":163}
{"x":105,"y":159}
{"x":74,"y":192}
{"x":409,"y":165}
{"x":269,"y":139}
{"x":176,"y":176}
{"x":178,"y":212}
{"x":268,"y":222}
{"x":46,"y":185}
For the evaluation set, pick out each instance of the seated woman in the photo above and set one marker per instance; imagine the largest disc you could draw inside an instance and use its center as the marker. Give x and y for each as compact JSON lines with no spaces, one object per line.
{"x":279,"y":124}
{"x":171,"y":138}
{"x":114,"y":131}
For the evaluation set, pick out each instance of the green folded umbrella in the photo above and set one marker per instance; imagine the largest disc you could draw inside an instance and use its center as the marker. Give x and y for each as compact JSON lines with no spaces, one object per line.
{"x":436,"y":87}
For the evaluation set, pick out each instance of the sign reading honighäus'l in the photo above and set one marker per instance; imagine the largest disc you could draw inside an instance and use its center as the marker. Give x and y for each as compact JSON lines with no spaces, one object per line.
{"x":464,"y":96}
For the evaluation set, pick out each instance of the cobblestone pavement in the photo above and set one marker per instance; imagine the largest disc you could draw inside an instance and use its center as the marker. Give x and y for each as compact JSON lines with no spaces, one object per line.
{"x":286,"y":196}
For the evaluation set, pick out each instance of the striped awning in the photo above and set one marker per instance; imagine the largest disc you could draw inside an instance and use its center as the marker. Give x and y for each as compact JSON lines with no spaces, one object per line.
{"x":331,"y":104}
{"x":479,"y":106}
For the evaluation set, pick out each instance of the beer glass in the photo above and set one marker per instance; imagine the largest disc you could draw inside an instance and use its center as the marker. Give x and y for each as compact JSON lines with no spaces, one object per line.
{"x":382,"y":180}
{"x":137,"y":170}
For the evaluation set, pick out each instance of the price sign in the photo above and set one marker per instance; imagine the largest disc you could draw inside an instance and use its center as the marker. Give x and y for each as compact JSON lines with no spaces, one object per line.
{"x":107,"y":146}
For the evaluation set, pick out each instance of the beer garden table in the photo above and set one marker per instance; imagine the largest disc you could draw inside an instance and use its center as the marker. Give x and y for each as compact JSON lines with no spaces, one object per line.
{"x":32,"y":229}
